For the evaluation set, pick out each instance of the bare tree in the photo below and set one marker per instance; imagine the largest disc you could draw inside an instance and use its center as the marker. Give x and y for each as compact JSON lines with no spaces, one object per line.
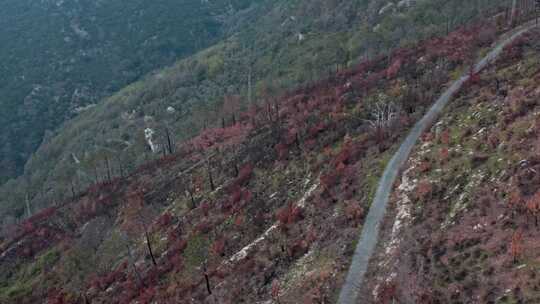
{"x":169,"y":141}
{"x":108,"y":166}
{"x":206,"y":277}
{"x":513,"y":13}
{"x":137,"y":220}
{"x":383,"y":115}
{"x":210,"y":177}
{"x":134,"y":265}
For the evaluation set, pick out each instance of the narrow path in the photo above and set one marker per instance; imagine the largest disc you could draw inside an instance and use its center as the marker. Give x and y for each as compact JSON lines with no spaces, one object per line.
{"x":370,"y":231}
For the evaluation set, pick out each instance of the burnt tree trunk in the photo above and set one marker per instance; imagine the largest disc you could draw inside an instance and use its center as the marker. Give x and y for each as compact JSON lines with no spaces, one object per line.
{"x":210,"y":177}
{"x":169,"y":141}
{"x":108,"y":168}
{"x":149,"y":245}
{"x":135,"y":270}
{"x":207,"y":280}
{"x":236,"y":172}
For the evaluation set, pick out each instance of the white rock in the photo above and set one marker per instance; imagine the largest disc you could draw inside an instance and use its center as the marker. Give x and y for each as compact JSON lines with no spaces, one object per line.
{"x":148,"y":135}
{"x":386,"y":8}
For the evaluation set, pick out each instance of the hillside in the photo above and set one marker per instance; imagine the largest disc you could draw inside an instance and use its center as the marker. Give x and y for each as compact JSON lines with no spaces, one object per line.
{"x":278,"y":46}
{"x":61,"y":57}
{"x":463,"y":224}
{"x":265,"y":208}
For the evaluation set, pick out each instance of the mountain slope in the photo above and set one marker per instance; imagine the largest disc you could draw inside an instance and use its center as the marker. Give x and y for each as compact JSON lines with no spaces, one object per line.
{"x":370,"y":232}
{"x":292,"y":43}
{"x":468,"y":200}
{"x":266,"y":208}
{"x":59,"y":57}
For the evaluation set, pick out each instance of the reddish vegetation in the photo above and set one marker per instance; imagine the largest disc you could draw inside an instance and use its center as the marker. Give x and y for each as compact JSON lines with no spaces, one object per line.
{"x":299,"y":125}
{"x":354,"y":211}
{"x":533,"y":207}
{"x":472,"y":233}
{"x":516,"y":245}
{"x":218,"y":138}
{"x":514,"y":51}
{"x":424,"y":190}
{"x":388,"y":293}
{"x":289,"y":215}
{"x":456,"y":47}
{"x":218,"y":247}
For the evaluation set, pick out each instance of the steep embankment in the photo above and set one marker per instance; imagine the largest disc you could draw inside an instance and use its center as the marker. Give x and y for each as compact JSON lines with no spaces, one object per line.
{"x":266,"y":208}
{"x":462,"y":225}
{"x":370,"y":231}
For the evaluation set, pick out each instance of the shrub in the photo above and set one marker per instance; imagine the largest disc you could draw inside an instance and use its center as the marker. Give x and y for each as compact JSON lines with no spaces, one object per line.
{"x":424,"y":166}
{"x":218,"y":247}
{"x":282,"y":151}
{"x":394,"y":68}
{"x":533,"y":206}
{"x":244,"y":175}
{"x":329,"y":180}
{"x":354,"y":212}
{"x":515,"y":200}
{"x":445,"y":137}
{"x":203,"y":227}
{"x":205,"y":208}
{"x":288,"y":215}
{"x":424,"y":190}
{"x":298,"y":248}
{"x":146,"y":295}
{"x":387,"y":293}
{"x":444,"y":154}
{"x":164,"y":220}
{"x":239,"y":221}
{"x":516,"y":245}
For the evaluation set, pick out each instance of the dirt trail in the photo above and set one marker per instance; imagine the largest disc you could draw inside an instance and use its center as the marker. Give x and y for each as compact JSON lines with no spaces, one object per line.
{"x":370,"y":230}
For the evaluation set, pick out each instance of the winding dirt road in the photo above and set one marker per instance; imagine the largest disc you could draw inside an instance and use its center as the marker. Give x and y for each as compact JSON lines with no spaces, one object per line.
{"x":370,"y":230}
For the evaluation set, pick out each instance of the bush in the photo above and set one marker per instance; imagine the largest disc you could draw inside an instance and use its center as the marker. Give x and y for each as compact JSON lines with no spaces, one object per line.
{"x":289,"y":215}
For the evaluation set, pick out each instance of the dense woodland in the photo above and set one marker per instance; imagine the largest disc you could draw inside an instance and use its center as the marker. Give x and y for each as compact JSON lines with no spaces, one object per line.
{"x":60,"y":57}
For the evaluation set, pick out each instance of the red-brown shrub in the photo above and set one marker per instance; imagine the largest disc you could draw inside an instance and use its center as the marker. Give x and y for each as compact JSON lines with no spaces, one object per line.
{"x":218,"y":247}
{"x":394,"y":68}
{"x":164,"y":220}
{"x":203,"y":227}
{"x":289,"y":214}
{"x":205,"y":208}
{"x":354,"y":212}
{"x":282,"y":151}
{"x":424,"y":190}
{"x":329,"y":180}
{"x":516,"y":245}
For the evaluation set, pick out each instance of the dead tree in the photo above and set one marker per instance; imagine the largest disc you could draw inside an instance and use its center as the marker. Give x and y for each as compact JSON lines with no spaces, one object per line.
{"x":96,"y":175}
{"x":72,"y":189}
{"x":383,"y":115}
{"x":137,"y":219}
{"x":209,"y":171}
{"x":134,"y":266}
{"x":108,"y":165}
{"x":147,"y":237}
{"x":120,"y":166}
{"x":169,"y":141}
{"x":190,"y":193}
{"x":513,"y":13}
{"x":206,"y":278}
